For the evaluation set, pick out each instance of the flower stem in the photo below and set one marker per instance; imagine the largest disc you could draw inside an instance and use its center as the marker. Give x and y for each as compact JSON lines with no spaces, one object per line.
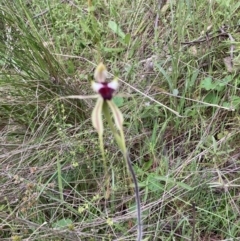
{"x":137,"y":196}
{"x":107,"y":192}
{"x":120,"y":139}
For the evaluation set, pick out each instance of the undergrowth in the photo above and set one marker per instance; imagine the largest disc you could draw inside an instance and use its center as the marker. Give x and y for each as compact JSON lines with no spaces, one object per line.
{"x":182,"y":54}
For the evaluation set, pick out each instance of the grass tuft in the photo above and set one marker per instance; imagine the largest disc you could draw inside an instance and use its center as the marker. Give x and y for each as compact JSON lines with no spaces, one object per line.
{"x":181,"y":54}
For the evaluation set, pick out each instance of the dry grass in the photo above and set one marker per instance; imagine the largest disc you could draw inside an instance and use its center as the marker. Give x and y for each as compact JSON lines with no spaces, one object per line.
{"x":179,"y":161}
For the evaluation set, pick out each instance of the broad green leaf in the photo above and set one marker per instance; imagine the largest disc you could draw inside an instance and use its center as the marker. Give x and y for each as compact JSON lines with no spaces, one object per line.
{"x":127,"y":38}
{"x":207,"y":84}
{"x":218,"y":85}
{"x":116,"y":29}
{"x":118,"y":101}
{"x":62,"y":223}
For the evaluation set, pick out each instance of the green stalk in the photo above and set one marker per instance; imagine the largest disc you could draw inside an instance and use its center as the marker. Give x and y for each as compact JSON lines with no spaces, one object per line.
{"x":137,"y":196}
{"x":107,"y":193}
{"x":120,"y":139}
{"x":100,"y":137}
{"x":59,"y":173}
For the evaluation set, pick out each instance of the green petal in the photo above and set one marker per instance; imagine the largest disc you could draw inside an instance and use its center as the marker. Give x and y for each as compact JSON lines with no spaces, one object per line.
{"x":117,"y":115}
{"x":97,"y":116}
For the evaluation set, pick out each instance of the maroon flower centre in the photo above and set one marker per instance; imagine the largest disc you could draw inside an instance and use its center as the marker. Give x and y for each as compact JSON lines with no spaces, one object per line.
{"x":106,"y":92}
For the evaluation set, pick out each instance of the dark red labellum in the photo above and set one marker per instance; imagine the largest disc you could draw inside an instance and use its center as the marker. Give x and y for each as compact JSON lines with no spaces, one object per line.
{"x":106,"y":92}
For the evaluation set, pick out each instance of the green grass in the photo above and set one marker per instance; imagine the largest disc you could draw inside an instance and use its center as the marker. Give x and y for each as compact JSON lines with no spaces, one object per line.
{"x":51,"y":169}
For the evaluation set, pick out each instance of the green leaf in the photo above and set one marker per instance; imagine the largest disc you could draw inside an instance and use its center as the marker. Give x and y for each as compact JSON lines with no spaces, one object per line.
{"x":153,"y":185}
{"x":147,"y":165}
{"x":224,"y":3}
{"x":116,"y":29}
{"x":62,"y":223}
{"x":127,"y":38}
{"x":184,"y":186}
{"x":218,"y":85}
{"x":225,"y":81}
{"x":222,"y":134}
{"x":118,"y":101}
{"x":2,"y":207}
{"x":212,"y":98}
{"x":207,"y":84}
{"x":235,"y":100}
{"x":113,"y":50}
{"x":194,"y":77}
{"x":70,"y":67}
{"x":171,"y":181}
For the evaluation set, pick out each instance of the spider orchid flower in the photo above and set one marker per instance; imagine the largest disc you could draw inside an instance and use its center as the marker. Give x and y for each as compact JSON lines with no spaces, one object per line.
{"x":105,"y":91}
